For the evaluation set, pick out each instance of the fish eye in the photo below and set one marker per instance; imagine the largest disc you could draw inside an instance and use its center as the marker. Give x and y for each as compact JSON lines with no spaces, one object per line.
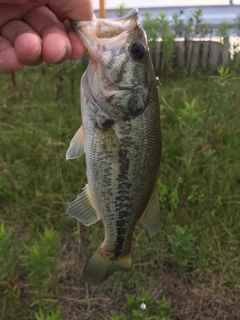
{"x":138,"y":51}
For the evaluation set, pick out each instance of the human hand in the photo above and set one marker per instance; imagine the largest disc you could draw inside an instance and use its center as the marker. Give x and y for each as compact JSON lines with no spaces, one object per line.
{"x":32,"y":31}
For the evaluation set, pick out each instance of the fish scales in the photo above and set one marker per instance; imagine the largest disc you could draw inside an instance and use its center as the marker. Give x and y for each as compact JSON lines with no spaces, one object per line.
{"x":121,"y":137}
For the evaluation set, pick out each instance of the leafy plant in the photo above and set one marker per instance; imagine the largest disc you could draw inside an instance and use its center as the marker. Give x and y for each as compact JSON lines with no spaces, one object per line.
{"x":151,"y":26}
{"x":182,"y":244}
{"x":163,"y":24}
{"x":8,"y":255}
{"x":223,"y":33}
{"x":169,"y":197}
{"x":174,"y":199}
{"x":198,"y":190}
{"x":189,"y":109}
{"x":40,"y":261}
{"x":121,"y":10}
{"x":162,"y":191}
{"x":161,"y":310}
{"x":5,"y":188}
{"x":189,"y":29}
{"x":210,"y":155}
{"x":8,"y":271}
{"x":178,"y":25}
{"x":197,"y":15}
{"x":237,"y":24}
{"x":54,"y":315}
{"x":165,"y":309}
{"x":205,"y":29}
{"x":195,"y":195}
{"x":223,"y":77}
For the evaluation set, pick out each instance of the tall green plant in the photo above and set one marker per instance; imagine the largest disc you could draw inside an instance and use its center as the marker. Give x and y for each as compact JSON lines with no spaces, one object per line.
{"x":237,"y":24}
{"x":8,"y":272}
{"x":121,"y":10}
{"x":8,"y":255}
{"x":163,"y":24}
{"x":189,"y":29}
{"x":197,"y":15}
{"x":54,"y":315}
{"x":205,"y":29}
{"x":168,"y":40}
{"x":40,"y":263}
{"x":159,"y":310}
{"x":223,"y":33}
{"x":182,"y":244}
{"x":150,"y":25}
{"x":178,"y":25}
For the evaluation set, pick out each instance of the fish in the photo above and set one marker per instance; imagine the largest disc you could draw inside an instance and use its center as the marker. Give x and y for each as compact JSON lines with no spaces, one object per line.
{"x":121,"y":138}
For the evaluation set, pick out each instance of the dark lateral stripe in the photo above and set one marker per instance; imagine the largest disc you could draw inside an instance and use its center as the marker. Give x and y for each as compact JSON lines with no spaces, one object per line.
{"x":123,"y":205}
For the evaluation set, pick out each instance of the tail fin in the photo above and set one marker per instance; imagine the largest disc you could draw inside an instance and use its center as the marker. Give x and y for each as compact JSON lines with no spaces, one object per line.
{"x":100,"y":267}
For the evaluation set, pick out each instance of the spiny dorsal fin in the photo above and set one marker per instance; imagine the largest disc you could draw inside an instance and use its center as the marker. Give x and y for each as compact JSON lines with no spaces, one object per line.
{"x":76,"y":148}
{"x":82,"y":208}
{"x":150,"y":220}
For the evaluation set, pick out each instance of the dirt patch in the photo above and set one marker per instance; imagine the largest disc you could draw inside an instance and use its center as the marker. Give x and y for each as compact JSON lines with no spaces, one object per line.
{"x":190,"y":297}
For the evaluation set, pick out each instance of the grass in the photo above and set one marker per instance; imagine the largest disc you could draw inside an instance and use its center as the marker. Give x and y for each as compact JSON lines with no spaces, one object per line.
{"x":191,"y":268}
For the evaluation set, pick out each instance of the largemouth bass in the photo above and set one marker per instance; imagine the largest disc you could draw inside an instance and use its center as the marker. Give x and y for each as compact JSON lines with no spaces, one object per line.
{"x":121,"y":137}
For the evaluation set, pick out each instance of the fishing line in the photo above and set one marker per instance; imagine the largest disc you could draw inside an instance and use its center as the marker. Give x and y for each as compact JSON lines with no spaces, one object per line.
{"x":177,"y":115}
{"x":221,"y":165}
{"x":157,"y":79}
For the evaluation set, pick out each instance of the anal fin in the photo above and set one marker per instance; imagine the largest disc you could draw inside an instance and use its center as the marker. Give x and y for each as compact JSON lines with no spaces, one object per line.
{"x":76,"y":148}
{"x":150,"y":220}
{"x":82,"y":208}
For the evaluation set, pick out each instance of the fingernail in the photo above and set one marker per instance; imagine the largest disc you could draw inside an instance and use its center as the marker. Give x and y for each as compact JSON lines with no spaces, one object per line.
{"x":60,"y":57}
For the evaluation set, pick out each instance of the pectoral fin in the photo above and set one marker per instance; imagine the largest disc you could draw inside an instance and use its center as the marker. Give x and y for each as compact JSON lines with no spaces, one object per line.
{"x":76,"y":148}
{"x":150,"y":220}
{"x":82,"y":208}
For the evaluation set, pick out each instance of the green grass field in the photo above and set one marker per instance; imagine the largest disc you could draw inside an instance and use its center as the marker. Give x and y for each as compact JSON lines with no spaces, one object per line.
{"x":190,"y":270}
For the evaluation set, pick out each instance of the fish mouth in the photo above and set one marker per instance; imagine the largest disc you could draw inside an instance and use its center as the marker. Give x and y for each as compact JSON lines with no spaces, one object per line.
{"x":100,"y":35}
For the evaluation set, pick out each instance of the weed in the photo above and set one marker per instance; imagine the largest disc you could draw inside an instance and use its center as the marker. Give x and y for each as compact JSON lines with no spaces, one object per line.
{"x":189,"y":109}
{"x":150,"y":25}
{"x":55,"y":315}
{"x":237,"y":24}
{"x":9,"y":271}
{"x":165,"y":309}
{"x":8,"y":255}
{"x":39,"y":261}
{"x":182,"y":245}
{"x":121,"y":11}
{"x":223,"y":33}
{"x":198,"y":191}
{"x":159,"y":310}
{"x":189,"y":29}
{"x":178,"y":25}
{"x":168,"y":39}
{"x":197,"y":15}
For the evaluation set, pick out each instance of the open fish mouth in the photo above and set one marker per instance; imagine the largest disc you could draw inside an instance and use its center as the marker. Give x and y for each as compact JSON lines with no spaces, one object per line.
{"x":100,"y":35}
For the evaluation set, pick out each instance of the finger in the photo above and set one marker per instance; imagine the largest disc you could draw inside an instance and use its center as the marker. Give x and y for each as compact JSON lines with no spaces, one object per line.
{"x":27,"y":43}
{"x":10,"y":12}
{"x":78,"y":48}
{"x":74,"y":9}
{"x":15,"y":1}
{"x":56,"y":46}
{"x":9,"y":60}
